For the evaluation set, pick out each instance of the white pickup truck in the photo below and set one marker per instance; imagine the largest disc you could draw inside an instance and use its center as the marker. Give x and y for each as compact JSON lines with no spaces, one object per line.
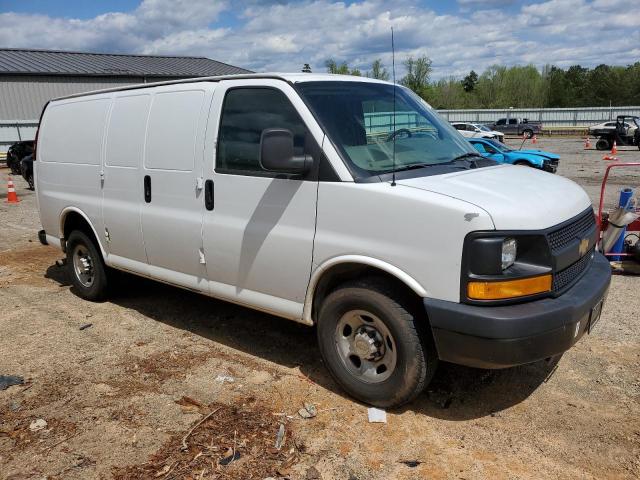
{"x":276,"y":191}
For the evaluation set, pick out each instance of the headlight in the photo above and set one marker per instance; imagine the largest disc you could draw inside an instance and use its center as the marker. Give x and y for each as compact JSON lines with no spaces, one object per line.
{"x":498,"y":267}
{"x":509,"y":250}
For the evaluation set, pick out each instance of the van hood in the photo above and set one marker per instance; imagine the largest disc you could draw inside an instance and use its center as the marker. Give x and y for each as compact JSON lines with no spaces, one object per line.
{"x":516,"y":198}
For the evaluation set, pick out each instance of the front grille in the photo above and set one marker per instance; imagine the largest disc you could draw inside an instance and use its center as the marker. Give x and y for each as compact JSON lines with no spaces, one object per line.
{"x":564,"y":235}
{"x":565,"y":277}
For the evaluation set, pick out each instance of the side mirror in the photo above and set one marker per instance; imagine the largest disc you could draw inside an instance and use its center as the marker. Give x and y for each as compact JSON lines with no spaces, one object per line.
{"x":277,"y":155}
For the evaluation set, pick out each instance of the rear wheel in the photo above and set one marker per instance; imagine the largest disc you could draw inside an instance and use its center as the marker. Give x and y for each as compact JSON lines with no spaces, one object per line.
{"x":528,"y":133}
{"x":603,"y":144}
{"x":369,"y":338}
{"x":86,"y":268}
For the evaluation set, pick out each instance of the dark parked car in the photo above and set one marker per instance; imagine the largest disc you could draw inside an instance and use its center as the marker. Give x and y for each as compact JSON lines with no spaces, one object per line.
{"x":16,"y":153}
{"x":517,"y":126}
{"x":26,"y":169}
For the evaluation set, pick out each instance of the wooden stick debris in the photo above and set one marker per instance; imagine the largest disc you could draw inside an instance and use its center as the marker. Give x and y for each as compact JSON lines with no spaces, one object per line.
{"x":184,"y":440}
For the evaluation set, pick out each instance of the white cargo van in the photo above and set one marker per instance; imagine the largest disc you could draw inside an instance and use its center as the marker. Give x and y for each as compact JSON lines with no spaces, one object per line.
{"x":340,"y":202}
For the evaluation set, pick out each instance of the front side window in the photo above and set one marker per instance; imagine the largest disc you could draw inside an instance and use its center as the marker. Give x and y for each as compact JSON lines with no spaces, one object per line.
{"x":502,"y":121}
{"x":500,"y":147}
{"x":246,"y":112}
{"x":479,"y":147}
{"x":359,"y":118}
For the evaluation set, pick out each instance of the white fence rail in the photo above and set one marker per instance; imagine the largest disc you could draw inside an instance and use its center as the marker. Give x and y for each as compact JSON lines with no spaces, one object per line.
{"x":550,"y":117}
{"x":12,"y":131}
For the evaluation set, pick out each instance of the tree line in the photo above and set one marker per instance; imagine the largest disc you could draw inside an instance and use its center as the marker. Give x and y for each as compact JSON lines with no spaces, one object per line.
{"x":518,"y":86}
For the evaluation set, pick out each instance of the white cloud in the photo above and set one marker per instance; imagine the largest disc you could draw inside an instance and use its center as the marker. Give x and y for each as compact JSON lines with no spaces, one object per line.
{"x":280,"y":36}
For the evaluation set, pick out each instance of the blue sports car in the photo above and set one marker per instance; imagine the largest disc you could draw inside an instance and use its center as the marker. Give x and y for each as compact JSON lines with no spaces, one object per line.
{"x":501,"y":153}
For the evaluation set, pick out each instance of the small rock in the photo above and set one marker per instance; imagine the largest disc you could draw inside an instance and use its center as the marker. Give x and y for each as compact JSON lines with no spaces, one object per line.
{"x":7,"y":381}
{"x":225,"y":378}
{"x":38,"y":424}
{"x":308,"y":411}
{"x":313,"y":474}
{"x":85,"y":326}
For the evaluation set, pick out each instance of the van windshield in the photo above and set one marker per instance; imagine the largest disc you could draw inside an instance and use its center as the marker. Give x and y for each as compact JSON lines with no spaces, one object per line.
{"x":359,"y":119}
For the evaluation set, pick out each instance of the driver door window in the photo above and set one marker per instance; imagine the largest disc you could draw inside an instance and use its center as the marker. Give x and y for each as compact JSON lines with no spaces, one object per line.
{"x":246,"y":112}
{"x":490,"y":149}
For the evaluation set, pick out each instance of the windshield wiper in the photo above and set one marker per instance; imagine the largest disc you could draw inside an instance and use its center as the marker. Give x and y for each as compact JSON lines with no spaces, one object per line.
{"x":414,"y":166}
{"x":465,"y":156}
{"x":470,"y":157}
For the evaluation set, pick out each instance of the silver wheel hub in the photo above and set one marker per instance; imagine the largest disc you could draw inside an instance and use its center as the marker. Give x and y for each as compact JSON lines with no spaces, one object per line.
{"x":83,"y":265}
{"x":367,"y":343}
{"x":365,"y":346}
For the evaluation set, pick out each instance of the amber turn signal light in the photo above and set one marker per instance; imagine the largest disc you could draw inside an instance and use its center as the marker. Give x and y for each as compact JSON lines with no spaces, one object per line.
{"x":509,"y":288}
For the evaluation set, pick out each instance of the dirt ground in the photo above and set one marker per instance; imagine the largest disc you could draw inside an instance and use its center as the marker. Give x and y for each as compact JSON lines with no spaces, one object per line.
{"x":163,"y":383}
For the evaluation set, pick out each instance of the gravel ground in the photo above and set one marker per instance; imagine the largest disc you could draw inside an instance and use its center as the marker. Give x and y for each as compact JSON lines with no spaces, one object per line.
{"x":123,"y":397}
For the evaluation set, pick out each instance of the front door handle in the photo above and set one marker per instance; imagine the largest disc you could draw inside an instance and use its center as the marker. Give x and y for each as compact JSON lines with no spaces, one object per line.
{"x":147,"y":188}
{"x":208,"y":194}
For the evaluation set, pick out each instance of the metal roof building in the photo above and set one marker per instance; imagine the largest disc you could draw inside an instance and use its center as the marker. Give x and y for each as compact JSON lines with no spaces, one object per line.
{"x":29,"y":78}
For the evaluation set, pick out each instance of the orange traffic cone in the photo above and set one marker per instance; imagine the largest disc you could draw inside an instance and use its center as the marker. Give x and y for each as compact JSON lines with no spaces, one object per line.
{"x":587,"y":143}
{"x":614,"y":149}
{"x":12,"y":196}
{"x":535,"y":139}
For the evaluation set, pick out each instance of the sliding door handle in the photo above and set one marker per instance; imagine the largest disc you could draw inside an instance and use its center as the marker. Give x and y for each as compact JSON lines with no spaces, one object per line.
{"x":208,"y":194}
{"x":147,"y":188}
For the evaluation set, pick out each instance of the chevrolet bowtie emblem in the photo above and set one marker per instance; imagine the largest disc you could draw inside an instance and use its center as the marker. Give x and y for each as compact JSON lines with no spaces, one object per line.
{"x":584,"y":246}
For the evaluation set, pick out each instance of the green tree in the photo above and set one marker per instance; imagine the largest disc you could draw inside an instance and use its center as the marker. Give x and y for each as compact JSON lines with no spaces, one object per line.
{"x":378,"y":70}
{"x":342,"y":69}
{"x":469,"y":82}
{"x":418,"y":74}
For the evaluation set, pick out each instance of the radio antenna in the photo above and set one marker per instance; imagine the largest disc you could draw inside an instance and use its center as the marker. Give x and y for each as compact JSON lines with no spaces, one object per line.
{"x":393,"y":69}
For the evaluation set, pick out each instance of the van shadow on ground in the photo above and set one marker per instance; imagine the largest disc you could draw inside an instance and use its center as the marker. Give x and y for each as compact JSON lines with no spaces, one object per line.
{"x":456,"y":393}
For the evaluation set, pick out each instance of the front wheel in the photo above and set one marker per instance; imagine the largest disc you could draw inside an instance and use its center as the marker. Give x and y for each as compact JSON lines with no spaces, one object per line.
{"x":602,"y":144}
{"x":369,"y":337}
{"x":86,"y":268}
{"x":528,"y":133}
{"x":522,"y":163}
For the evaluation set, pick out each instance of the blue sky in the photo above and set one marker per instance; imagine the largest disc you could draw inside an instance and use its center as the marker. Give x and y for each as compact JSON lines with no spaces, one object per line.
{"x":281,"y":35}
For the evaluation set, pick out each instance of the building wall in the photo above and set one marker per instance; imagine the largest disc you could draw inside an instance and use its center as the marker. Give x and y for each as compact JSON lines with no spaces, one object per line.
{"x":22,"y":97}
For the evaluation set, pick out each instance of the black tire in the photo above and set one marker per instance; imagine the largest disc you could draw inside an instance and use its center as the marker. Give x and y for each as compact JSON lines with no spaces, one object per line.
{"x":97,"y":289}
{"x":30,"y":181}
{"x":603,"y":144}
{"x":528,"y":133}
{"x":413,"y":348}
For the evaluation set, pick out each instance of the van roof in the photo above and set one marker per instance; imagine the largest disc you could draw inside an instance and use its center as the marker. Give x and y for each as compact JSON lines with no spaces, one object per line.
{"x":287,"y":77}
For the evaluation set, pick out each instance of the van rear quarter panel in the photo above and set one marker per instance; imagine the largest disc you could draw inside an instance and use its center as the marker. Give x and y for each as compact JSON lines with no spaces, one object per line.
{"x":419,"y":232}
{"x":70,"y":144}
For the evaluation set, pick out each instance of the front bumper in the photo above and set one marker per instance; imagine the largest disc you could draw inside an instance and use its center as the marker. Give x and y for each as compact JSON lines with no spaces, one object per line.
{"x":505,"y":336}
{"x":550,"y":166}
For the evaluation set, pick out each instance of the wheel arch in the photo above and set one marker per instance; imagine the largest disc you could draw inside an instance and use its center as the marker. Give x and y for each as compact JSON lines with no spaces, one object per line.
{"x":524,"y":161}
{"x":337,"y":270}
{"x":72,"y":218}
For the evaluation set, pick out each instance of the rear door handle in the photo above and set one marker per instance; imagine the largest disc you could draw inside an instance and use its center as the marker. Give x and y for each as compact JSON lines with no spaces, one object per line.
{"x":208,"y":194}
{"x":147,"y":188}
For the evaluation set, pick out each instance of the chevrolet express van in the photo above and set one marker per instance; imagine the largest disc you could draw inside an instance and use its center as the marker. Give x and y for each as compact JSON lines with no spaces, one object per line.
{"x":340,"y":202}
